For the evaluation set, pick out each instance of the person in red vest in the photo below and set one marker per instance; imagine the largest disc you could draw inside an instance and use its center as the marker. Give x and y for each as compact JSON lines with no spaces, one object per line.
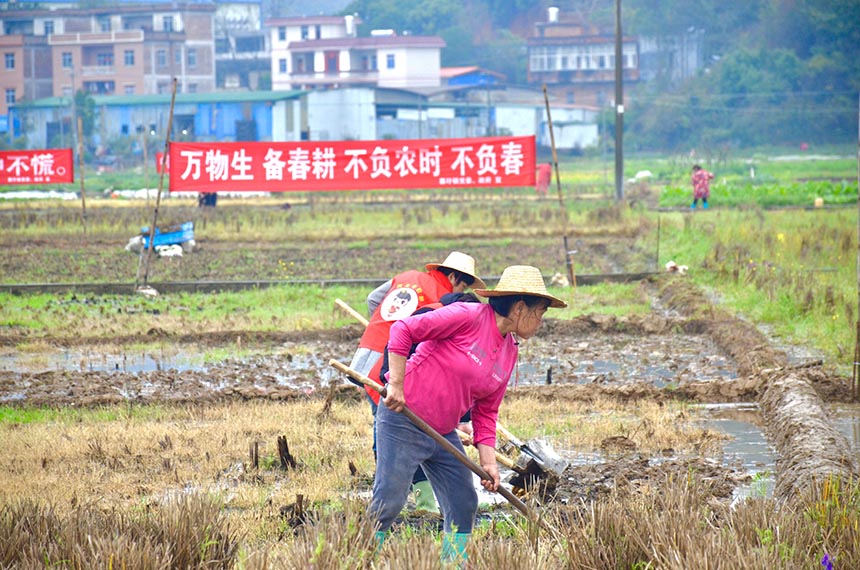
{"x":404,"y":294}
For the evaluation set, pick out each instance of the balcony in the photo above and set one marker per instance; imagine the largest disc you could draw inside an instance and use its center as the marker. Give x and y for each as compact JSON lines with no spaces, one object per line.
{"x":97,"y":70}
{"x":326,"y":77}
{"x":96,"y":38}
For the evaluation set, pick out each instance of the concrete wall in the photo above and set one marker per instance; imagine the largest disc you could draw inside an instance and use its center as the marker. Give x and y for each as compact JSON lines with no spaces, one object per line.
{"x":345,"y":114}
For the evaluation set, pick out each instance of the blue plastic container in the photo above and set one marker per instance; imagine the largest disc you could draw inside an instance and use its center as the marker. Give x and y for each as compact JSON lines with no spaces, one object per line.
{"x":170,"y":235}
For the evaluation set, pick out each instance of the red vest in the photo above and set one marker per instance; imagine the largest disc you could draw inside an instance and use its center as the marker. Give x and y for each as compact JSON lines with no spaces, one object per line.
{"x":409,"y":292}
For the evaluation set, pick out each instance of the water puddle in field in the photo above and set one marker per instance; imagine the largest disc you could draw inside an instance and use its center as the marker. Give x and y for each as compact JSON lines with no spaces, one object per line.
{"x":747,"y":449}
{"x":97,"y":361}
{"x":846,"y":418}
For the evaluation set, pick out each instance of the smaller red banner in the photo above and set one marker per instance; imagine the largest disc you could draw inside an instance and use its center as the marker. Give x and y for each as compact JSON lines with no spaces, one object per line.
{"x":49,"y":166}
{"x":159,"y":156}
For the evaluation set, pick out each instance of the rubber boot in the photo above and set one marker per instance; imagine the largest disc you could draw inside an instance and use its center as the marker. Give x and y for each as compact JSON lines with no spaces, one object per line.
{"x":380,"y":538}
{"x":693,"y":205}
{"x":425,"y":500}
{"x":454,"y":548}
{"x":705,"y":204}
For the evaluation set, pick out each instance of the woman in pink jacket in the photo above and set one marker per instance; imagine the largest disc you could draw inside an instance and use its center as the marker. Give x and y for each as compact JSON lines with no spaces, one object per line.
{"x":466,"y":353}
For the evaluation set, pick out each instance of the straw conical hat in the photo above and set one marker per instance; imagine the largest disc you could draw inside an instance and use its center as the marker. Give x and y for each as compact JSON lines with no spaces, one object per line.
{"x":460,"y":262}
{"x":522,"y":280}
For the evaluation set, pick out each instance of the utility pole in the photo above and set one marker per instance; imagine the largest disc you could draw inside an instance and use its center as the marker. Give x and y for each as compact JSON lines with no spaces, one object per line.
{"x":619,"y":106}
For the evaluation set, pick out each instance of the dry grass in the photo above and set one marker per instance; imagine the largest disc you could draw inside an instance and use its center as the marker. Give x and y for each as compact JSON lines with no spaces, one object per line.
{"x":143,"y":481}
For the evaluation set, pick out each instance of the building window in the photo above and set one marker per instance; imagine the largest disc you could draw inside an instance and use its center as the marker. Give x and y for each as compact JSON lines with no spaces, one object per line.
{"x":104,"y":59}
{"x":282,"y":33}
{"x":10,"y":60}
{"x":177,"y":57}
{"x":192,"y":88}
{"x":49,"y":27}
{"x":129,"y":57}
{"x":601,"y":62}
{"x":104,"y":24}
{"x":305,"y":32}
{"x":318,"y":32}
{"x":129,"y":89}
{"x":282,"y":65}
{"x":167,"y":22}
{"x":161,"y":58}
{"x":373,"y":64}
{"x":611,"y":62}
{"x":123,"y":129}
{"x":10,"y":96}
{"x":67,"y":59}
{"x":192,"y":57}
{"x":389,"y":61}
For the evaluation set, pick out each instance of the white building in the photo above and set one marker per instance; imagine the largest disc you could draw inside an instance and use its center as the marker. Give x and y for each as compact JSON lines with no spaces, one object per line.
{"x":324,"y":52}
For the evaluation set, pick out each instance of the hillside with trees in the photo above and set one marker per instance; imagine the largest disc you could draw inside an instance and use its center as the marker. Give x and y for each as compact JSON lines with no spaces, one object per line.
{"x":777,"y":72}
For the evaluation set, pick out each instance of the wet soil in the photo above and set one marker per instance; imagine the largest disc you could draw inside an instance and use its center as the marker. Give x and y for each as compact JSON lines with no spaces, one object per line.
{"x":592,"y":356}
{"x":687,"y":348}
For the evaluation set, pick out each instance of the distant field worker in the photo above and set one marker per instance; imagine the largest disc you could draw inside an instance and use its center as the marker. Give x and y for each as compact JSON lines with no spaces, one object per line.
{"x":465,"y":356}
{"x":701,"y":180}
{"x":544,"y":177}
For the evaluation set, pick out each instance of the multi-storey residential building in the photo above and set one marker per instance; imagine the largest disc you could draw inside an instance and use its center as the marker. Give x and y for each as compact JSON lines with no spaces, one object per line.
{"x":16,"y":58}
{"x":241,"y":45}
{"x":577,"y":62}
{"x":324,"y":52}
{"x":114,"y":49}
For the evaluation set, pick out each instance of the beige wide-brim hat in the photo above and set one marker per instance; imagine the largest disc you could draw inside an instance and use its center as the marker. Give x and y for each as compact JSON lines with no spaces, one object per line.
{"x":522,"y":280}
{"x":461,"y":262}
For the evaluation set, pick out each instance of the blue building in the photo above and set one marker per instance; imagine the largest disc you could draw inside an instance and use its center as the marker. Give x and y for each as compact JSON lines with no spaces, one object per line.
{"x":217,"y":117}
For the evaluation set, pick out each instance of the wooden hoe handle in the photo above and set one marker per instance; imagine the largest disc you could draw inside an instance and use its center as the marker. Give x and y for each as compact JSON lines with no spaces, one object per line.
{"x":425,"y":427}
{"x":352,"y":312}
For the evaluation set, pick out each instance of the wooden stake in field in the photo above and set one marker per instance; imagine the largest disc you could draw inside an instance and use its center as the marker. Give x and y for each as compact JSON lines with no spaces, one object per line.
{"x":146,"y":253}
{"x":571,"y":276}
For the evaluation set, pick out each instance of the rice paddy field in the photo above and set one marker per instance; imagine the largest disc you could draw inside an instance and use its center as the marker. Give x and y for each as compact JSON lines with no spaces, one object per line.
{"x":706,"y":418}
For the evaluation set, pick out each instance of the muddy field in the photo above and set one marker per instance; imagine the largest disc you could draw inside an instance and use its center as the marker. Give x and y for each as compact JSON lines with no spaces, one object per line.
{"x":661,"y":356}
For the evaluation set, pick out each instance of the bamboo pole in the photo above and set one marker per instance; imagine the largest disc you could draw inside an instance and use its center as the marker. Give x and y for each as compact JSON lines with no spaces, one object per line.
{"x":855,"y":379}
{"x":81,"y":172}
{"x":146,"y":253}
{"x":571,"y":276}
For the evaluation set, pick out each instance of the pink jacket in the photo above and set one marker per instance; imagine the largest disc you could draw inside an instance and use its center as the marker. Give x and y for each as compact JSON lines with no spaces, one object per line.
{"x":462,"y":362}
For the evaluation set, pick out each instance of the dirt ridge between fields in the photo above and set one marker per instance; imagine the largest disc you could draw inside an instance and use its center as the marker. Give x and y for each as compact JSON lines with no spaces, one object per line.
{"x":810,"y":449}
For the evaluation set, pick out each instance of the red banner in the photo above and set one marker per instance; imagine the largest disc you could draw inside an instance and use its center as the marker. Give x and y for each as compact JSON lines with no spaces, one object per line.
{"x":352,"y":165}
{"x":50,"y":166}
